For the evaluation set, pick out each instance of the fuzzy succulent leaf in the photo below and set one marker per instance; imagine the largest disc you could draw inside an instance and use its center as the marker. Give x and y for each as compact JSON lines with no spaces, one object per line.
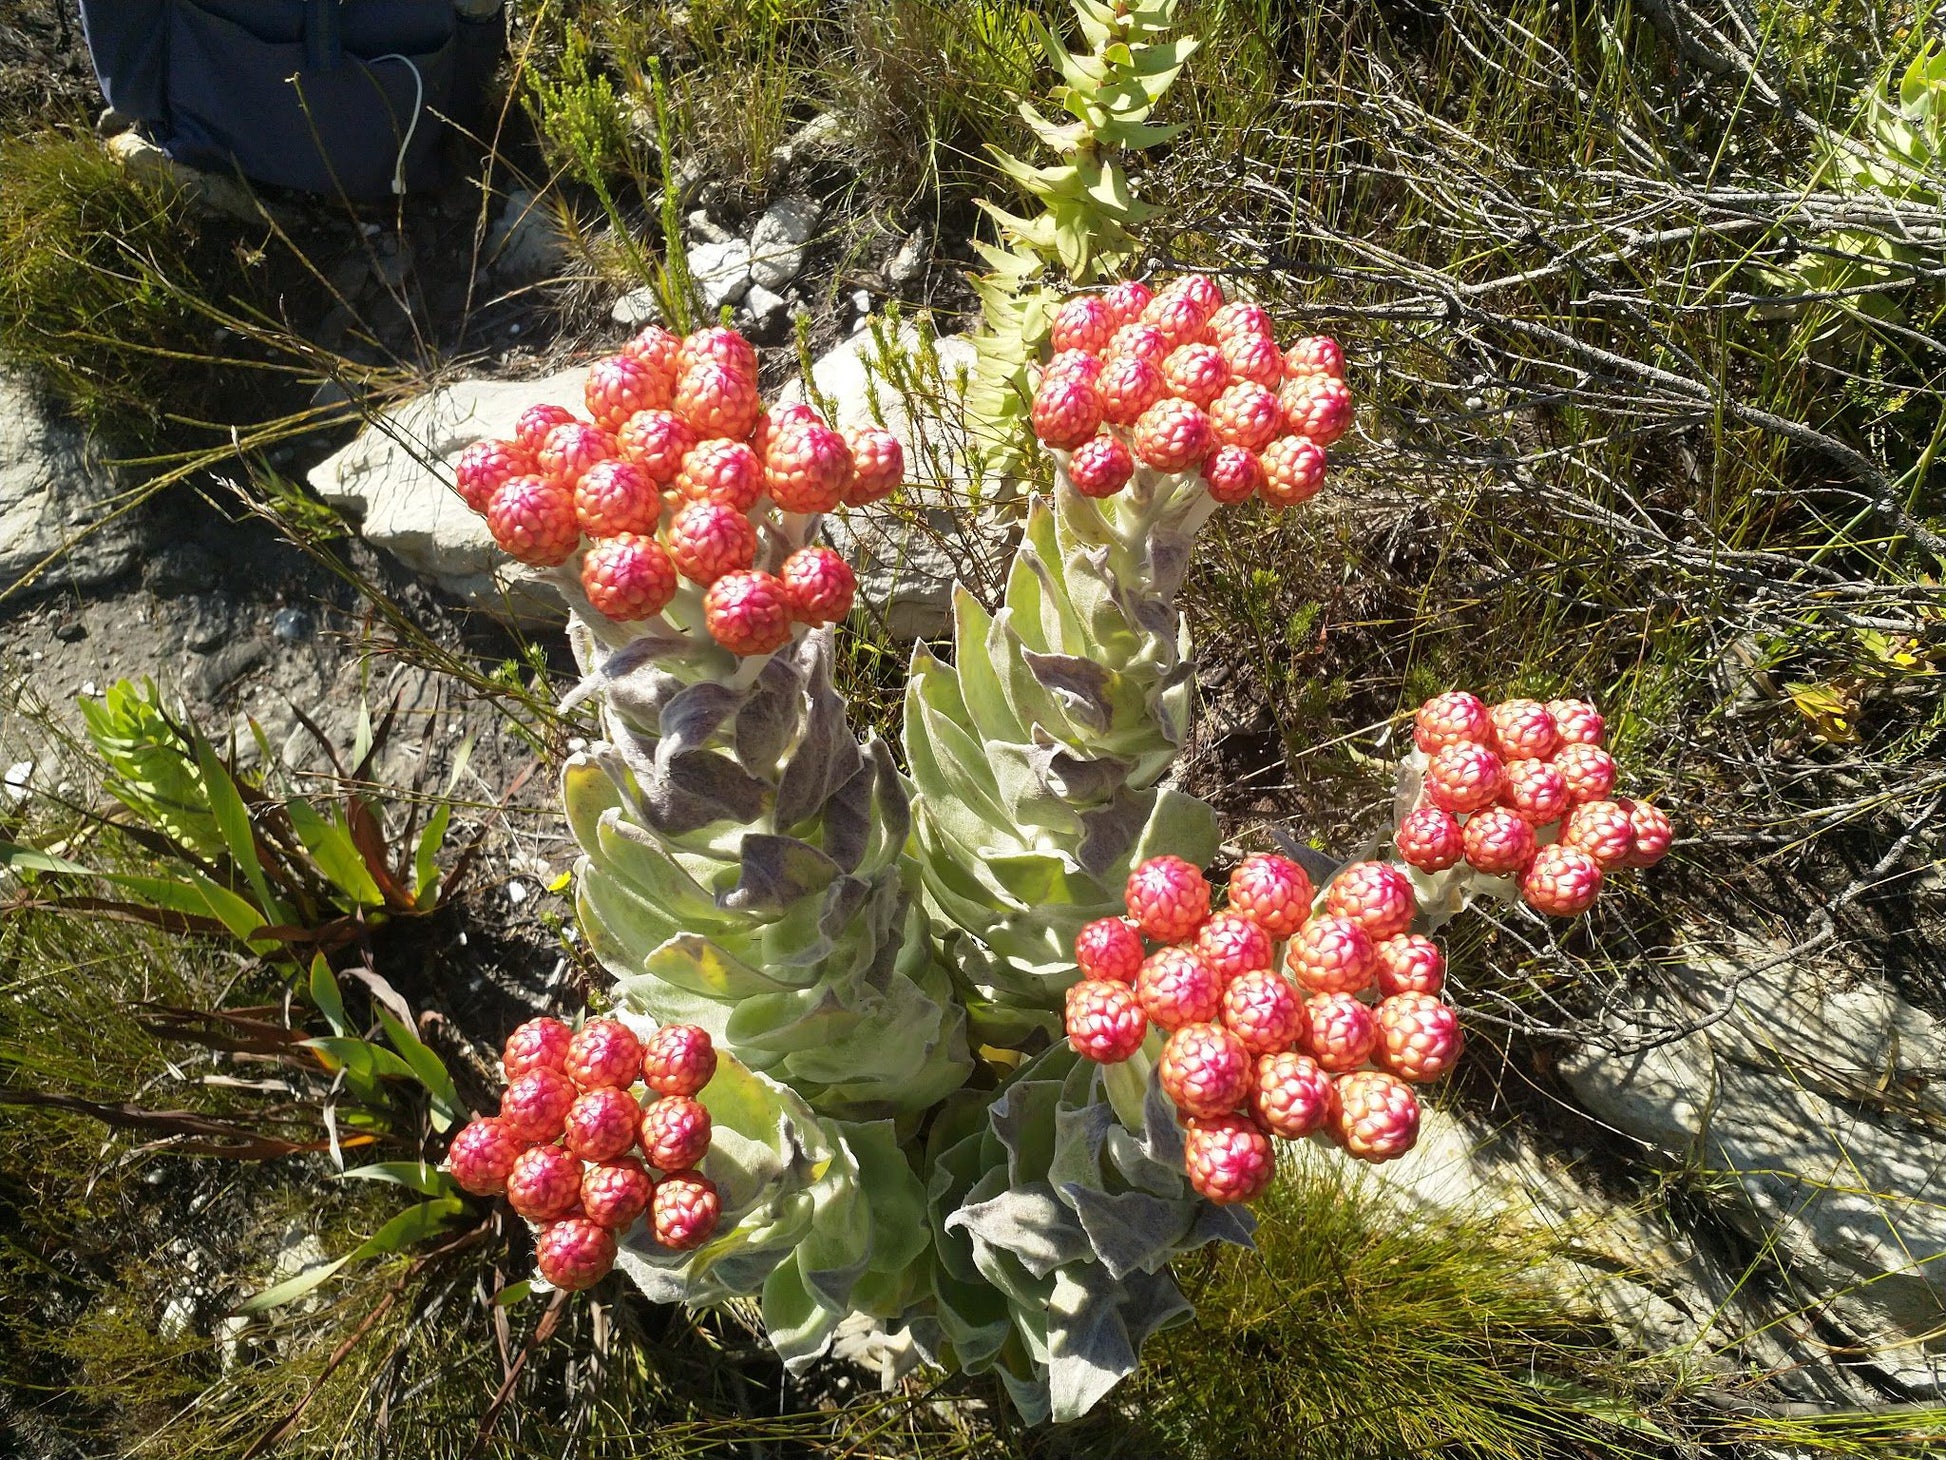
{"x":743,"y":869}
{"x":1054,"y":1228}
{"x":1037,"y":754}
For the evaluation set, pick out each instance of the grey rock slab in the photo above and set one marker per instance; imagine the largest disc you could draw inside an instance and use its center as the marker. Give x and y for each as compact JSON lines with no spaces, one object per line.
{"x":767,"y":310}
{"x":1818,"y":1104}
{"x":54,"y":488}
{"x":720,"y":272}
{"x":909,"y":550}
{"x":637,"y":308}
{"x":777,"y":242}
{"x":395,"y":478}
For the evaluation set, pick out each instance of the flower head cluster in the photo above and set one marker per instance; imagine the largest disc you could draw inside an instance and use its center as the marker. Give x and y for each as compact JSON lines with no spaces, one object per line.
{"x":581,"y":1156}
{"x":1524,"y":790}
{"x":680,"y":476}
{"x":1286,"y":1013}
{"x":1182,"y":382}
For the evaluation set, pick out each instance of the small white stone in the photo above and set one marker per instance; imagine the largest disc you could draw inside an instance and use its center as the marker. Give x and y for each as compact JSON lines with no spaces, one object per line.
{"x":777,"y":242}
{"x":516,"y":892}
{"x":720,"y":272}
{"x":637,"y":308}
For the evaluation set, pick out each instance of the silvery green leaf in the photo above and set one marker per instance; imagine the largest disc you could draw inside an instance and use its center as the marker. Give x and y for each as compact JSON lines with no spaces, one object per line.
{"x":1097,"y":1325}
{"x":697,"y":789}
{"x":767,"y":718}
{"x":1132,"y":1231}
{"x":777,"y":871}
{"x":1087,"y":780}
{"x":695,"y":963}
{"x":847,"y":818}
{"x":635,"y":856}
{"x":1029,"y":1223}
{"x":691,"y":717}
{"x":1111,"y":833}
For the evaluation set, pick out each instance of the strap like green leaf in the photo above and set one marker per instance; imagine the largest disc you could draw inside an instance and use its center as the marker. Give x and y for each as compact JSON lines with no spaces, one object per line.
{"x":420,"y":1176}
{"x":427,"y":1068}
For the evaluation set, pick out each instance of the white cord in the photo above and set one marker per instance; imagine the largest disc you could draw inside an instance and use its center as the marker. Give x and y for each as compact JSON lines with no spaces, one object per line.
{"x":418,"y":105}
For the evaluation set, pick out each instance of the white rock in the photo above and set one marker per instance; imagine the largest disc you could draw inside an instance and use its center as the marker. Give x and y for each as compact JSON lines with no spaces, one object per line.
{"x":910,"y":261}
{"x":525,"y":243}
{"x":909,"y":551}
{"x":637,"y":308}
{"x":1816,"y":1102}
{"x":395,"y":478}
{"x":766,"y":308}
{"x":720,"y":272}
{"x":53,"y":484}
{"x":777,"y":242}
{"x":699,"y":224}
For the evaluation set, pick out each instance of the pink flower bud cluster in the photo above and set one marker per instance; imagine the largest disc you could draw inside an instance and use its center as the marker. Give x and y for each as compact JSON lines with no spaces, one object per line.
{"x":1524,"y":790}
{"x":1181,"y":382}
{"x":1286,"y":1014}
{"x":581,"y":1156}
{"x":678,"y":475}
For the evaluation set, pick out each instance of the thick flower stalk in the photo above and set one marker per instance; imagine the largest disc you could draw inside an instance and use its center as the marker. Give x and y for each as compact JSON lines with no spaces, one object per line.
{"x":1039,"y":753}
{"x":743,"y":855}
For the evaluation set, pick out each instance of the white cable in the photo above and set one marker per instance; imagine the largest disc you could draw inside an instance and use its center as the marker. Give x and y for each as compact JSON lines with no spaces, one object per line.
{"x":418,"y":105}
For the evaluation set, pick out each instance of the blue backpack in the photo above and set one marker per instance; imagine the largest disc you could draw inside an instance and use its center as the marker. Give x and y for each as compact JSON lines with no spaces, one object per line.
{"x":329,"y":96}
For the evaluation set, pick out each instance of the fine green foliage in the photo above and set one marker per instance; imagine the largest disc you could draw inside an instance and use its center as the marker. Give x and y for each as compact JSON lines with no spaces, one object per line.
{"x":1358,"y":1331}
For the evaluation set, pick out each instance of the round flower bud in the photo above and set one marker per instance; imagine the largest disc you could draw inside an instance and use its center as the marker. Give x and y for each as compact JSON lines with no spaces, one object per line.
{"x":614,"y":1193}
{"x":678,"y":1059}
{"x":1255,"y":358}
{"x":1523,"y":730}
{"x":570,"y":449}
{"x":1129,"y":385}
{"x":685,"y":1211}
{"x":1587,"y":770}
{"x":574,"y":1254}
{"x":1104,"y":1020}
{"x":1100,"y":466}
{"x":1293,"y":470}
{"x":1292,"y":1095}
{"x":1376,"y":1117}
{"x":533,"y":521}
{"x":707,"y":540}
{"x":877,"y":465}
{"x":1126,"y":301}
{"x":1535,"y":790}
{"x":721,"y":346}
{"x":1066,"y":412}
{"x":1331,"y":955}
{"x":1233,"y":945}
{"x":1603,"y":830}
{"x":1561,"y":881}
{"x":539,"y":1044}
{"x":1408,"y":964}
{"x":807,"y":468}
{"x":675,"y":1132}
{"x":1227,"y":1159}
{"x":628,"y":578}
{"x":544,"y":1183}
{"x":1577,"y":721}
{"x":1264,"y":1011}
{"x":620,"y":386}
{"x":1453,"y":718}
{"x":1315,"y":355}
{"x":1083,"y":322}
{"x":1195,"y":373}
{"x":1240,"y":319}
{"x":748,"y":612}
{"x":1375,"y":895}
{"x":1232,"y":474}
{"x":603,"y":1052}
{"x":486,"y":466}
{"x":1272,"y":891}
{"x":1429,"y":839}
{"x":721,"y":471}
{"x":1653,"y":833}
{"x":1246,"y":415}
{"x":1499,"y":841}
{"x":1205,"y":1069}
{"x":1176,"y":987}
{"x":656,"y":348}
{"x":717,"y":400}
{"x":1173,"y":435}
{"x":601,"y":1123}
{"x":616,"y":496}
{"x":482,"y":1155}
{"x":1108,"y":948}
{"x":532,"y":425}
{"x":1339,"y":1033}
{"x":818,"y":585}
{"x":534,"y":1106}
{"x":1316,"y":406}
{"x":1418,"y":1037}
{"x":1168,"y":898}
{"x":1143,"y":342}
{"x":1462,"y":778}
{"x":657,"y":442}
